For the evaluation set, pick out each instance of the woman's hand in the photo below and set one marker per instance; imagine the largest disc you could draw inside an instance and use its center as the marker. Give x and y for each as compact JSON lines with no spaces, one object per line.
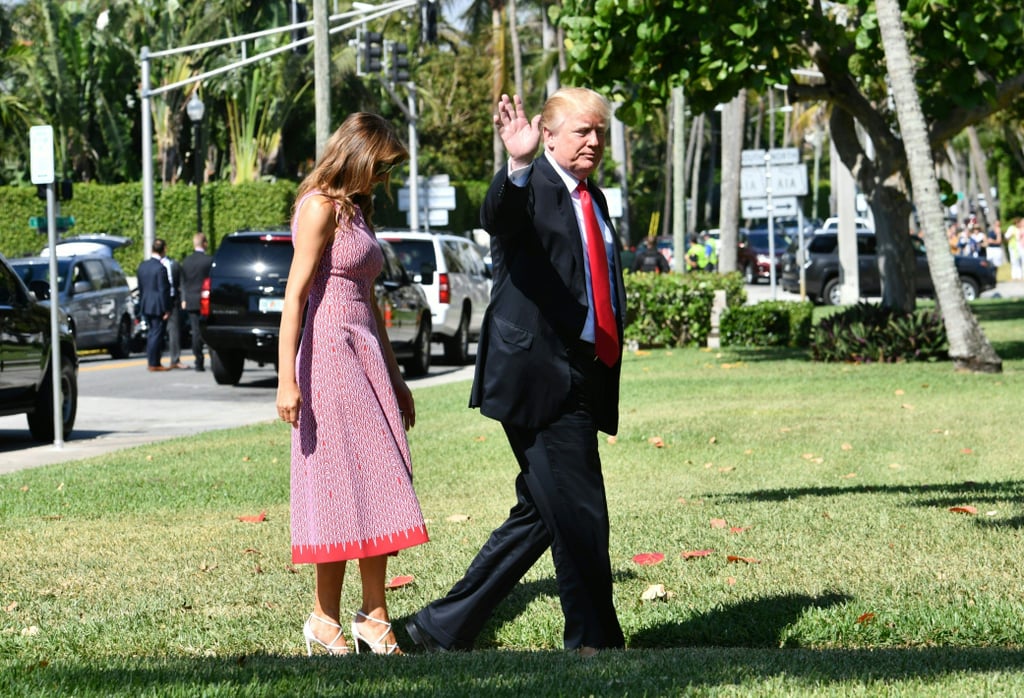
{"x":289,"y":399}
{"x":406,"y":405}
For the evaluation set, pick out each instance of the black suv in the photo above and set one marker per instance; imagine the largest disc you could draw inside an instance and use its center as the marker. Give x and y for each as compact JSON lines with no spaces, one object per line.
{"x":25,"y":375}
{"x":822,"y":270}
{"x":243,"y":297}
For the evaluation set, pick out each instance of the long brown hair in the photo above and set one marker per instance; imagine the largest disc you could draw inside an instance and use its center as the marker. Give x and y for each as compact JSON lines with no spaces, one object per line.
{"x":346,"y":170}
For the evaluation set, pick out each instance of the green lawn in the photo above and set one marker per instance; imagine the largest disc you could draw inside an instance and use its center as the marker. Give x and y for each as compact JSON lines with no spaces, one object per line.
{"x":131,"y":574}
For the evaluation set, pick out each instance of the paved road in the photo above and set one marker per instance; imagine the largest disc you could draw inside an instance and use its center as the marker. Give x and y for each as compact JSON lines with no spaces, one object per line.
{"x":122,"y":405}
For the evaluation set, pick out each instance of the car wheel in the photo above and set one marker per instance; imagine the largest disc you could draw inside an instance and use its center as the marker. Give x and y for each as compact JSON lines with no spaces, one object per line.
{"x":749,"y":275}
{"x":40,"y":422}
{"x":970,"y":288}
{"x":456,"y":348}
{"x":227,"y":366}
{"x":419,"y":364}
{"x":122,"y":346}
{"x":832,"y":293}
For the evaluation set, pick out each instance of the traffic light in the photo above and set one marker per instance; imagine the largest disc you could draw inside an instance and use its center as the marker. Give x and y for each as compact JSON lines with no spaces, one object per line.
{"x":399,"y":65}
{"x":428,"y":21}
{"x":373,"y":49}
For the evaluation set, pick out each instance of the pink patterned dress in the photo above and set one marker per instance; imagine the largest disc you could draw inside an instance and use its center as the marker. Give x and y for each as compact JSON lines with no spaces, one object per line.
{"x":351,"y":476}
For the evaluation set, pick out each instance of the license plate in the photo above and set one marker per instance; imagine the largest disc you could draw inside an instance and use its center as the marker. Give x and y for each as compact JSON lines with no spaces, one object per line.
{"x":271,"y":305}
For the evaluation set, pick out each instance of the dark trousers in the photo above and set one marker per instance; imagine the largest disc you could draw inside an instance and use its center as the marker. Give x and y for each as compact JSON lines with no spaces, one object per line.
{"x":198,"y":348}
{"x":560,"y":504}
{"x":154,"y":338}
{"x":174,"y":332}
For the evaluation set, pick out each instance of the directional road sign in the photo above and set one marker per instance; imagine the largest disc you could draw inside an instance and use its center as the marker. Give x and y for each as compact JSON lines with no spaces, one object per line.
{"x":758,"y":208}
{"x":784,"y":180}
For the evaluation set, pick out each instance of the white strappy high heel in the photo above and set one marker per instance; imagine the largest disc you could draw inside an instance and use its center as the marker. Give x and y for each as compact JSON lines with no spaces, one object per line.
{"x":378,"y":646}
{"x":331,"y":647}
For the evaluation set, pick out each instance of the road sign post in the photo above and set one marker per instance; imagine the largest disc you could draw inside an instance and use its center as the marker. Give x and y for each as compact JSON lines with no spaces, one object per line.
{"x":42,"y":172}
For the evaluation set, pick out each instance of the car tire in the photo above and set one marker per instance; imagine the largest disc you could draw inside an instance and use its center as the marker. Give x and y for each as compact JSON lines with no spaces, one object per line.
{"x":749,"y":275}
{"x":971,"y":289}
{"x":227,"y":367}
{"x":456,"y":347}
{"x":831,"y":293}
{"x":419,"y":364}
{"x":40,"y":421}
{"x":122,"y":346}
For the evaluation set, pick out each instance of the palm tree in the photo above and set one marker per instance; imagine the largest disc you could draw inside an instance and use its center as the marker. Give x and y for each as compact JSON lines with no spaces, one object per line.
{"x":968,"y":346}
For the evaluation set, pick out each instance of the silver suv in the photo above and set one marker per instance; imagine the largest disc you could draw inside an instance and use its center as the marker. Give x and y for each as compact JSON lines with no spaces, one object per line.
{"x":459,"y":290}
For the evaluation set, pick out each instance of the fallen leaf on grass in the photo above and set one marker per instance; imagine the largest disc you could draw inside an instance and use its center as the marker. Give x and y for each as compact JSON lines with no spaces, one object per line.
{"x":738,"y":529}
{"x":655,"y":592}
{"x":257,"y":518}
{"x":246,"y":459}
{"x":613,"y":440}
{"x":965,"y":509}
{"x":731,"y":581}
{"x":848,"y":476}
{"x":907,"y":406}
{"x":992,"y":513}
{"x":656,"y":441}
{"x":642,"y":352}
{"x":480,"y":439}
{"x":847,"y":447}
{"x":690,"y":554}
{"x":726,"y":469}
{"x":291,"y":568}
{"x":966,"y":451}
{"x":11,"y":606}
{"x":457,"y":518}
{"x":866,"y":618}
{"x":719,"y":523}
{"x":24,"y":488}
{"x":648,"y":558}
{"x":30,"y":631}
{"x":399,"y":581}
{"x":207,"y":568}
{"x":713,"y":440}
{"x":899,"y":392}
{"x":748,"y":560}
{"x":251,"y":551}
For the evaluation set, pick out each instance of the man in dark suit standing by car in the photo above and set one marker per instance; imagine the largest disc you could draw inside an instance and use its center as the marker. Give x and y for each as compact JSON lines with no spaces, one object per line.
{"x":154,"y":302}
{"x":195,"y":269}
{"x":547,"y":368}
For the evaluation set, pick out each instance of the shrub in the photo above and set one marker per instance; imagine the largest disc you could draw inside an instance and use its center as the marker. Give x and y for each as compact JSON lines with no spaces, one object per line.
{"x":674,"y":310}
{"x":868,"y":333}
{"x":767,"y":324}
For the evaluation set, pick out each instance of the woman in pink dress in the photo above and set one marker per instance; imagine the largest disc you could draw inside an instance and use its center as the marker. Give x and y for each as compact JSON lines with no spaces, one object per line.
{"x":342,"y":391}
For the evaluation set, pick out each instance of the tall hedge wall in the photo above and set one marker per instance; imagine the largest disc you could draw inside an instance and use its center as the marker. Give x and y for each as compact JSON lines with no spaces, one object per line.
{"x":117,"y":209}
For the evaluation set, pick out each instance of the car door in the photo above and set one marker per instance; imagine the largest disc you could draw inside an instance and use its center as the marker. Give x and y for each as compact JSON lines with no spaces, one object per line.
{"x":479,"y":284}
{"x":22,"y":340}
{"x":922,"y":272}
{"x":396,"y":298}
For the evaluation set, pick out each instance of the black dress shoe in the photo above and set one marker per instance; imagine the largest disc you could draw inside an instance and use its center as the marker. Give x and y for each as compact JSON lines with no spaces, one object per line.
{"x":200,"y":369}
{"x":422,"y":638}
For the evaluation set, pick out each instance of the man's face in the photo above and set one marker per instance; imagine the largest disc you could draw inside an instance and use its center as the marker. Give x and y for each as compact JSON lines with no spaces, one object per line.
{"x":577,"y":144}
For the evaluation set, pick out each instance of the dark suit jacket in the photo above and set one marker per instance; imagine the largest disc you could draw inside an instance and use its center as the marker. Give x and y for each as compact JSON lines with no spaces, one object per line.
{"x":154,"y":288}
{"x":538,"y":304}
{"x":194,"y":271}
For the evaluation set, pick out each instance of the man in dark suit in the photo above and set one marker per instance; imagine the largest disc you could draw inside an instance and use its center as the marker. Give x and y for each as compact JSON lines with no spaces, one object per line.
{"x":195,"y":269}
{"x":174,"y":314}
{"x":548,"y":365}
{"x":154,"y":302}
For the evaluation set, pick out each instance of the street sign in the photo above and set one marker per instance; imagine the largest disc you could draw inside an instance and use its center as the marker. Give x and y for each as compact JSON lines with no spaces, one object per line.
{"x":41,"y":224}
{"x":41,"y":154}
{"x":758,"y":208}
{"x":779,"y":156}
{"x":434,"y":217}
{"x":785,"y":180}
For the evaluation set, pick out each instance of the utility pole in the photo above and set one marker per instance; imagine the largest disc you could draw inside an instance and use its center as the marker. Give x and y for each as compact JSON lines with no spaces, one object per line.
{"x":321,"y":74}
{"x":679,"y":180}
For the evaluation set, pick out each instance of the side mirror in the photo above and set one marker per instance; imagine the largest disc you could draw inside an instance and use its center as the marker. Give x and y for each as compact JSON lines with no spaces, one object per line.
{"x":427,"y":274}
{"x":82,"y":287}
{"x":40,"y":288}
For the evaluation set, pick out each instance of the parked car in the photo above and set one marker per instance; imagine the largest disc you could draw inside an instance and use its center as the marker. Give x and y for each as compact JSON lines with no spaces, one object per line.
{"x":241,"y":305}
{"x":456,"y":280}
{"x":95,"y":294}
{"x":756,"y":241}
{"x":746,"y":256}
{"x":87,"y":243}
{"x":831,"y":225}
{"x":822,"y":270}
{"x":25,"y":351}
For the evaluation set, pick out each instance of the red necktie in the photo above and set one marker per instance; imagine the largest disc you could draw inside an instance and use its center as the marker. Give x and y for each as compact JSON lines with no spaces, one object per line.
{"x":606,"y":334}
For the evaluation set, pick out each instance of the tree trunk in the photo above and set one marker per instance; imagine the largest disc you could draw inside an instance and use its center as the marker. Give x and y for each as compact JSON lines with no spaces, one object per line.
{"x":968,"y":346}
{"x":497,"y":80}
{"x":990,"y":212}
{"x":517,"y":53}
{"x":732,"y":152}
{"x":694,"y":157}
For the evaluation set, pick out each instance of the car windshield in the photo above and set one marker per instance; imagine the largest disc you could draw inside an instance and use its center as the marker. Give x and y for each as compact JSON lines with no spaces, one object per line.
{"x":40,"y":271}
{"x":413,"y":254}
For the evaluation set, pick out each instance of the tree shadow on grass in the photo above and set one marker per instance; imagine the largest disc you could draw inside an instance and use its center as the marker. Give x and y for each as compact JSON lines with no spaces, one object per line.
{"x":937,"y":495}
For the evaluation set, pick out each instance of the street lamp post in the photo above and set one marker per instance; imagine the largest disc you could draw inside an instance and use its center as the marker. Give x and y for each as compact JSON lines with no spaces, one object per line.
{"x":195,"y":109}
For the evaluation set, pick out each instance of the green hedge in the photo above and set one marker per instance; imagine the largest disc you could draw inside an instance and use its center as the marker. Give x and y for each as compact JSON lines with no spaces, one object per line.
{"x":117,"y":209}
{"x":767,"y":324}
{"x":674,"y":310}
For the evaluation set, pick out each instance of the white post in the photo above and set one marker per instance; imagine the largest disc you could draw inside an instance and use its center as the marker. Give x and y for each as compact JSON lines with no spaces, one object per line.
{"x":679,"y":222}
{"x":321,"y":75}
{"x":414,"y":172}
{"x":148,"y":206}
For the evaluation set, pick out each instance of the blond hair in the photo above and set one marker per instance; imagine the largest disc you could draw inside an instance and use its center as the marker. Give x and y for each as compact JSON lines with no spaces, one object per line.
{"x":578,"y":100}
{"x":346,"y":170}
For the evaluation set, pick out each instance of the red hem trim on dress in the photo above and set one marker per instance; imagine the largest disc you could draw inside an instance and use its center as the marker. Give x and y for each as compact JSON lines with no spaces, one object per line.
{"x":354,"y":550}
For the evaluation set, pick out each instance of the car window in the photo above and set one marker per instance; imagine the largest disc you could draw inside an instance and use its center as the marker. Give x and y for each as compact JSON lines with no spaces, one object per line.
{"x":115,"y":274}
{"x":471,"y":260}
{"x":267,"y":258}
{"x":390,"y":271}
{"x":452,"y":258}
{"x":823,"y":244}
{"x":866,"y":245}
{"x":7,"y":287}
{"x":413,"y":254}
{"x":95,"y":274}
